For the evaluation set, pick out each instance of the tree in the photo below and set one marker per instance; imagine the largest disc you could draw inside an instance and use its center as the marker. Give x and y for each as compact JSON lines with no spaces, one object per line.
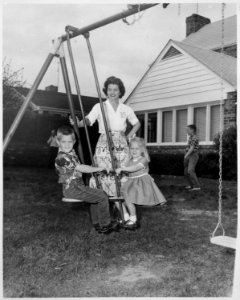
{"x":12,"y":80}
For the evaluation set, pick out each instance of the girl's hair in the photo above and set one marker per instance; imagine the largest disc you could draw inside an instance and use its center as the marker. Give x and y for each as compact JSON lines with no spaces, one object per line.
{"x":118,"y":82}
{"x":142,"y":145}
{"x":65,"y":130}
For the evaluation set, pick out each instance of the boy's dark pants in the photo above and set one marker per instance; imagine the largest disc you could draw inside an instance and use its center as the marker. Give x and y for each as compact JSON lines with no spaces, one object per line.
{"x":189,"y":169}
{"x":53,"y":151}
{"x":98,"y":199}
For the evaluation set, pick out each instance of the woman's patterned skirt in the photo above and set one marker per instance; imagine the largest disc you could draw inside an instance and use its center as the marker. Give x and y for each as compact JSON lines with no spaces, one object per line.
{"x":102,"y":158}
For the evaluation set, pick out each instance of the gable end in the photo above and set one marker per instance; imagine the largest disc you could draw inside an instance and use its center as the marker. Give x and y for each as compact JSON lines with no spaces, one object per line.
{"x":171,"y":52}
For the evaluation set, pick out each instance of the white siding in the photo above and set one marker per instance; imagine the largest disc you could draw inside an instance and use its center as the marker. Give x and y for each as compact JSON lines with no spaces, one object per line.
{"x":179,"y":80}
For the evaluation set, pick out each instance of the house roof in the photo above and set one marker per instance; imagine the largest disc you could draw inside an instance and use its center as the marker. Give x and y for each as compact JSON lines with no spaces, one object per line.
{"x":212,"y":60}
{"x":209,"y":36}
{"x":55,"y":101}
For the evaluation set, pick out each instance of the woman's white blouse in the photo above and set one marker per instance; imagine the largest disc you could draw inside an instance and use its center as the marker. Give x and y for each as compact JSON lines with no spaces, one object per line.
{"x":117,"y":120}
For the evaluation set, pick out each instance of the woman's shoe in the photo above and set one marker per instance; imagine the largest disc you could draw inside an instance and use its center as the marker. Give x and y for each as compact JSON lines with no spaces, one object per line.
{"x":113,"y":226}
{"x":131,"y":225}
{"x":121,"y":223}
{"x":97,"y":227}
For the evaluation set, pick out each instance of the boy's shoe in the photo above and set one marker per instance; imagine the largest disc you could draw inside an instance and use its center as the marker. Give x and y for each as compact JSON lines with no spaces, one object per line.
{"x":131,"y":225}
{"x":189,"y":187}
{"x":113,"y":226}
{"x":97,"y":227}
{"x":195,"y":189}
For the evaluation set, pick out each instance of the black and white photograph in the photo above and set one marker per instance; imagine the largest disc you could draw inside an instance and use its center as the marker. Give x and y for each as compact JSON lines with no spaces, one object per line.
{"x":120,"y":155}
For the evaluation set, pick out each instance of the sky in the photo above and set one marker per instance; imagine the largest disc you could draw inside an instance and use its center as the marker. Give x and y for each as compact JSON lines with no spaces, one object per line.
{"x":125,"y":51}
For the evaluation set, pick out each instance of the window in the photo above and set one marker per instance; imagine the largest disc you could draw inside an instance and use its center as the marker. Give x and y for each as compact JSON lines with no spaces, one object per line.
{"x":215,"y":121}
{"x":152,"y":128}
{"x":181,"y":124}
{"x":140,"y":132}
{"x":167,"y":126}
{"x":171,"y":127}
{"x":200,"y":122}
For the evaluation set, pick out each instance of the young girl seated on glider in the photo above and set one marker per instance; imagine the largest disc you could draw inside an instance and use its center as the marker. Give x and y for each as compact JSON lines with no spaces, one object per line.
{"x":140,"y":188}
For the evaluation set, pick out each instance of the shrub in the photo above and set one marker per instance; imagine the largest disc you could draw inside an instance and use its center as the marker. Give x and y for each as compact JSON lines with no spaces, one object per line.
{"x":207,"y":167}
{"x":172,"y":164}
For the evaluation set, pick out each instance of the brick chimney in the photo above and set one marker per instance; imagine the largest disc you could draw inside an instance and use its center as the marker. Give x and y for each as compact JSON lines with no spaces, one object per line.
{"x":195,"y":22}
{"x":51,"y":88}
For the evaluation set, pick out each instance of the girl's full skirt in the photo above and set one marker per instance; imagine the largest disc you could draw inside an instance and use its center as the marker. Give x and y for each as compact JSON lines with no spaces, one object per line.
{"x":142,"y":191}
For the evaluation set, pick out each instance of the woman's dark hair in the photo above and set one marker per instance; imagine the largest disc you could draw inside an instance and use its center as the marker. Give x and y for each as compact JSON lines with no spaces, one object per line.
{"x":118,"y":82}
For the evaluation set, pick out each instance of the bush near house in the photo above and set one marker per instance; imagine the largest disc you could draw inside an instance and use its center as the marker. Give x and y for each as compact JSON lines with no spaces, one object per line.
{"x":172,"y":164}
{"x":208,"y":165}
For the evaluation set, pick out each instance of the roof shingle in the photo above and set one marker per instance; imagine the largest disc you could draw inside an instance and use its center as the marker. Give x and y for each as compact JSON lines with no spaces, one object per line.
{"x":58,"y":100}
{"x":209,"y":36}
{"x":212,"y":60}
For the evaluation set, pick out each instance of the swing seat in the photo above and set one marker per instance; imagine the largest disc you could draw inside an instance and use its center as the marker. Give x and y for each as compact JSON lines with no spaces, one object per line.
{"x":69,"y":200}
{"x":225,"y":241}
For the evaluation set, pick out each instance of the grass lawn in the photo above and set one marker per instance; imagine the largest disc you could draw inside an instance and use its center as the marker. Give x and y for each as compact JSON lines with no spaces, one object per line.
{"x":50,"y":249}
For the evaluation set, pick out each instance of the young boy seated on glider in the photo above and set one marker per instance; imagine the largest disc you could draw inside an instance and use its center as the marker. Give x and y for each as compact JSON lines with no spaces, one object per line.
{"x":70,"y":172}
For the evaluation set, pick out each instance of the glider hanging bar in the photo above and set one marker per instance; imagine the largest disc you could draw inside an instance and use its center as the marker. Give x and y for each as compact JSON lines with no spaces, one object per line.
{"x":81,"y":107}
{"x":70,"y":101}
{"x":106,"y":126}
{"x":131,"y":11}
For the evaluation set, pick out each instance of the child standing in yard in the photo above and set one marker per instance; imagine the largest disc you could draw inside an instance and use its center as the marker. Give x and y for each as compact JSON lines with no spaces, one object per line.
{"x":191,"y":158}
{"x":70,"y":172}
{"x":53,"y":148}
{"x":140,"y":188}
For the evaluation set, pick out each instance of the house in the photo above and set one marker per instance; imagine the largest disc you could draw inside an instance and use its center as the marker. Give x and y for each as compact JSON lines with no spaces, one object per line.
{"x":48,"y":110}
{"x":185,"y":85}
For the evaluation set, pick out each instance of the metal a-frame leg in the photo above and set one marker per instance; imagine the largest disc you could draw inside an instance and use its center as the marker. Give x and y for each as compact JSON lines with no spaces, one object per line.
{"x":98,"y":183}
{"x":31,"y":94}
{"x":70,"y":101}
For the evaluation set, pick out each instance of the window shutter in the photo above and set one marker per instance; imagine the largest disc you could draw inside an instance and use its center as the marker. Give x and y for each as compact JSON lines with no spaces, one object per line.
{"x":181,"y":125}
{"x":215,"y":121}
{"x":140,"y":132}
{"x":200,"y":122}
{"x":152,"y":128}
{"x":167,"y":126}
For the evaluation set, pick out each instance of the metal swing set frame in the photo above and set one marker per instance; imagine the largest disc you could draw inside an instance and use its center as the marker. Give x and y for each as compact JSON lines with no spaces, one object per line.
{"x":58,"y":50}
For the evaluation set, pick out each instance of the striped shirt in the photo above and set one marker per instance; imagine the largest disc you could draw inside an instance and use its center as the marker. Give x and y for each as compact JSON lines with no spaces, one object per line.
{"x":193,"y":141}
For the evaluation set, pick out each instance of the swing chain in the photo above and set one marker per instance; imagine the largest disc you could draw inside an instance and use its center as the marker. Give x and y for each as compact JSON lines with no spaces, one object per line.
{"x":197,"y":9}
{"x":219,"y":224}
{"x":179,"y":9}
{"x":134,"y":17}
